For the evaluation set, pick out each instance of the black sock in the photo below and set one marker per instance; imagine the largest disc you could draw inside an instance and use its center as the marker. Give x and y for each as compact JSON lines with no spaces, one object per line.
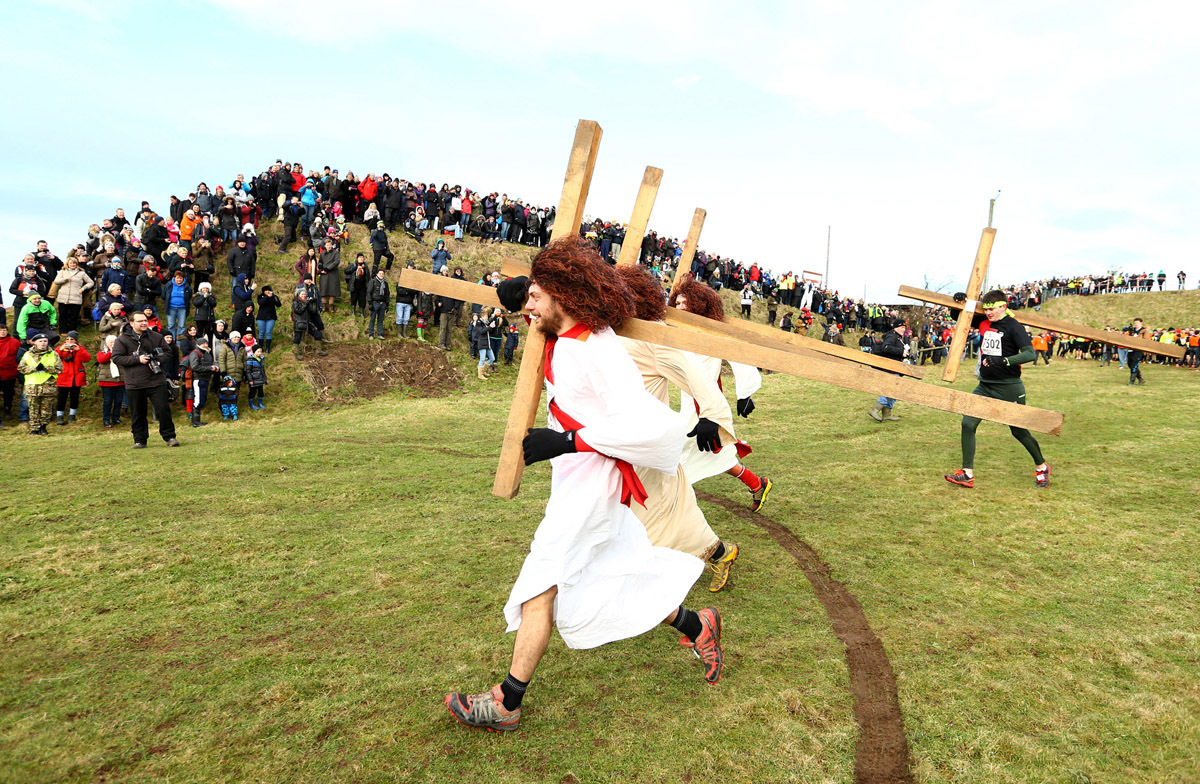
{"x":718,"y":553}
{"x":514,"y":692}
{"x":687,"y":622}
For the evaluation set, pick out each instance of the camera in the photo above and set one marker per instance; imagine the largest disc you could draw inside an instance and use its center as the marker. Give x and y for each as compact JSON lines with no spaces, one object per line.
{"x":155,"y":363}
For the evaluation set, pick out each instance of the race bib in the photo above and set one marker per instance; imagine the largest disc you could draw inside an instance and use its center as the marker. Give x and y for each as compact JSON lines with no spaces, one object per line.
{"x":991,"y":343}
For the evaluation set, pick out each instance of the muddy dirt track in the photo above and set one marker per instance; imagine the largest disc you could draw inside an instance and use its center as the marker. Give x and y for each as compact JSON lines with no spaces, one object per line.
{"x":881,"y":756}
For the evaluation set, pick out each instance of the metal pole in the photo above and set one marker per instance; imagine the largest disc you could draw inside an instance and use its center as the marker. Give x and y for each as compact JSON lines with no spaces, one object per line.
{"x":828,"y":237}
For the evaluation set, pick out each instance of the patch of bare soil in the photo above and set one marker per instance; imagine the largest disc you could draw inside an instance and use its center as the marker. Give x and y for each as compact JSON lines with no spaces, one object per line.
{"x":881,"y":755}
{"x":358,"y":372}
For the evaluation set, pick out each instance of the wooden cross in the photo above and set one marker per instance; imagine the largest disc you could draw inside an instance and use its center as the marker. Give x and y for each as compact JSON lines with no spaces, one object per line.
{"x":974,"y":285}
{"x":1032,"y":318}
{"x":689,"y":249}
{"x":764,"y":334}
{"x":631,"y":248}
{"x":528,"y":391}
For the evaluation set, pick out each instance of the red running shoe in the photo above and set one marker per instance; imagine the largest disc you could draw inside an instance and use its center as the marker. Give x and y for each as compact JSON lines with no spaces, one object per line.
{"x":483,"y":711}
{"x":708,"y":645}
{"x":1042,"y":476}
{"x":960,"y":478}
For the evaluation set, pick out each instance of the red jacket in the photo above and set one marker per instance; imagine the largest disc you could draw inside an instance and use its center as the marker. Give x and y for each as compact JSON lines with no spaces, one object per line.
{"x":300,"y":180}
{"x":73,"y":374}
{"x":8,"y":357}
{"x":368,"y":189}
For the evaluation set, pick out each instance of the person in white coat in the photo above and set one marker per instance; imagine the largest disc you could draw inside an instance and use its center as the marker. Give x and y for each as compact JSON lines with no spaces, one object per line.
{"x":700,"y":299}
{"x":591,"y":569}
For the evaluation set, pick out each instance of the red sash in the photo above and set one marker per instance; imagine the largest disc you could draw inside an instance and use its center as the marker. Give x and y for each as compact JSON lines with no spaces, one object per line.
{"x":631,"y":487}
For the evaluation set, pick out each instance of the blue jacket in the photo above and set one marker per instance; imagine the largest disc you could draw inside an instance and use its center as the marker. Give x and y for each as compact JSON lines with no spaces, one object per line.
{"x":441,"y":257}
{"x":242,"y":295}
{"x":183,"y":292}
{"x":118,"y":276}
{"x":308,"y":196}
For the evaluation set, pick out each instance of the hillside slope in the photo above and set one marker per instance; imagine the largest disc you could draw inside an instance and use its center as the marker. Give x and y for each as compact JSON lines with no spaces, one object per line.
{"x":1179,"y":309}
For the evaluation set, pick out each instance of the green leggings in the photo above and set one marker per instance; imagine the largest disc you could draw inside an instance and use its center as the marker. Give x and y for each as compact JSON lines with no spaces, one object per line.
{"x":1012,"y":393}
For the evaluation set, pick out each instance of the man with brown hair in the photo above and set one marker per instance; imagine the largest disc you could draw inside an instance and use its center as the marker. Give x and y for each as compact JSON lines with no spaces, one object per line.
{"x":698,"y":298}
{"x":671,"y":515}
{"x":591,"y":570}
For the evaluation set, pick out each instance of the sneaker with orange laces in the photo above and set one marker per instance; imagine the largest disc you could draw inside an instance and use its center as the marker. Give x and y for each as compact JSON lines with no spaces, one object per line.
{"x":484,"y":711}
{"x":708,"y":645}
{"x":1042,"y":476}
{"x":960,"y":478}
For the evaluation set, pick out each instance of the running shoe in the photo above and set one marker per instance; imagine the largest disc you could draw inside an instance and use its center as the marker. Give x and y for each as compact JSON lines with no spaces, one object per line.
{"x":720,"y":568}
{"x":961,"y":479}
{"x":483,"y":711}
{"x":1042,"y":477}
{"x":708,"y":645}
{"x":759,"y":497}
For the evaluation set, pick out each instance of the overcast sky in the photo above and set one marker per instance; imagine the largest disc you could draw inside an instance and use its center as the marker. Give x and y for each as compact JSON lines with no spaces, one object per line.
{"x":894,"y":123}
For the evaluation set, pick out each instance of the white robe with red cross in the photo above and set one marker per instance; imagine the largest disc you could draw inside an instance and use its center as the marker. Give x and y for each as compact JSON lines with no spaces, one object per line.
{"x":612,"y":583}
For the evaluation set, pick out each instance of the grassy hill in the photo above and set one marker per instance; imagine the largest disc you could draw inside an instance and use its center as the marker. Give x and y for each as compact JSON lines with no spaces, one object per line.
{"x":1165,"y":309}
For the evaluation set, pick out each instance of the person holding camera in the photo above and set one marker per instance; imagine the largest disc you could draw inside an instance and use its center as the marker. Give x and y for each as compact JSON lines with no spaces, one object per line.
{"x":138,"y":352}
{"x":72,"y":378}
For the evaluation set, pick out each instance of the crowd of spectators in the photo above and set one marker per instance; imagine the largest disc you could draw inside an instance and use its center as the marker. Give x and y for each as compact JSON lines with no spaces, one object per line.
{"x":181,"y":269}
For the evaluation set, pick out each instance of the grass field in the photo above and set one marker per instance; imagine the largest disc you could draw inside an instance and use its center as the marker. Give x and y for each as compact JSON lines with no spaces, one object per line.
{"x":290,"y":597}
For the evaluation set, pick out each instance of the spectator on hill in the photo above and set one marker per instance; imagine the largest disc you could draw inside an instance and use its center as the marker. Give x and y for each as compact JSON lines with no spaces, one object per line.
{"x":304,"y":316}
{"x":177,"y":299}
{"x":379,"y":246}
{"x":377,"y":294}
{"x":404,"y":304}
{"x":40,"y":366}
{"x":38,"y":315}
{"x":231,"y":359}
{"x":329,"y":275}
{"x":441,"y":257}
{"x":72,"y":283}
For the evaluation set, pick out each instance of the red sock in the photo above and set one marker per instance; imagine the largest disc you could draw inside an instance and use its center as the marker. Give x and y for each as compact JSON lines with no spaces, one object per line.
{"x":749,"y":479}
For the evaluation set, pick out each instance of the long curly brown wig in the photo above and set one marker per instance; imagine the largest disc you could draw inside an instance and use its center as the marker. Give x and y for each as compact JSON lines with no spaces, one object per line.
{"x":582,"y":283}
{"x":701,"y":299}
{"x":649,"y":299}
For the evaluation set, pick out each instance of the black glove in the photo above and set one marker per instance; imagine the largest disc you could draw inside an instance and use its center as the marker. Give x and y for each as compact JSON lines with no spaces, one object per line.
{"x":707,"y":434}
{"x":512,"y":293}
{"x":542,"y":443}
{"x":960,"y":297}
{"x":744,"y":406}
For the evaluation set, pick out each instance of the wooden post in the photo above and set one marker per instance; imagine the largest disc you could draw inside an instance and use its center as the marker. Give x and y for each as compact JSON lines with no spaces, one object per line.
{"x":528,"y":391}
{"x":773,"y":358}
{"x":1032,"y":318}
{"x":963,"y":327}
{"x":689,"y":248}
{"x":765,"y":335}
{"x":636,"y":230}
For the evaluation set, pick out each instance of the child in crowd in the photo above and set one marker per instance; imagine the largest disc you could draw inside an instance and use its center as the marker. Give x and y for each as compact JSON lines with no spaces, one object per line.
{"x":227,"y":395}
{"x":511,"y":338}
{"x":256,"y":378}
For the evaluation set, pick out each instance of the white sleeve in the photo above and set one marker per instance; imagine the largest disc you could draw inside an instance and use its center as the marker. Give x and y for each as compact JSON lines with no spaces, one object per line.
{"x":746,"y":380}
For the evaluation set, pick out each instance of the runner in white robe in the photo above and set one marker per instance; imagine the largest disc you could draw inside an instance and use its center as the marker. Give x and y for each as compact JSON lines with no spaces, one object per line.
{"x":612,"y":583}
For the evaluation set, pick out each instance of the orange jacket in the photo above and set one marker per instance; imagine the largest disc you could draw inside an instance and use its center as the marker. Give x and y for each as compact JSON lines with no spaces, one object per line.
{"x":188,"y":225}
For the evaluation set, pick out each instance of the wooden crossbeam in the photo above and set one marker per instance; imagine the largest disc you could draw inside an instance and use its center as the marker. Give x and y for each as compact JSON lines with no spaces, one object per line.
{"x":776,"y":338}
{"x":738,"y":350}
{"x":856,"y":378}
{"x":962,"y":329}
{"x":528,"y":391}
{"x":631,"y":248}
{"x":1032,"y":318}
{"x":689,"y":248}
